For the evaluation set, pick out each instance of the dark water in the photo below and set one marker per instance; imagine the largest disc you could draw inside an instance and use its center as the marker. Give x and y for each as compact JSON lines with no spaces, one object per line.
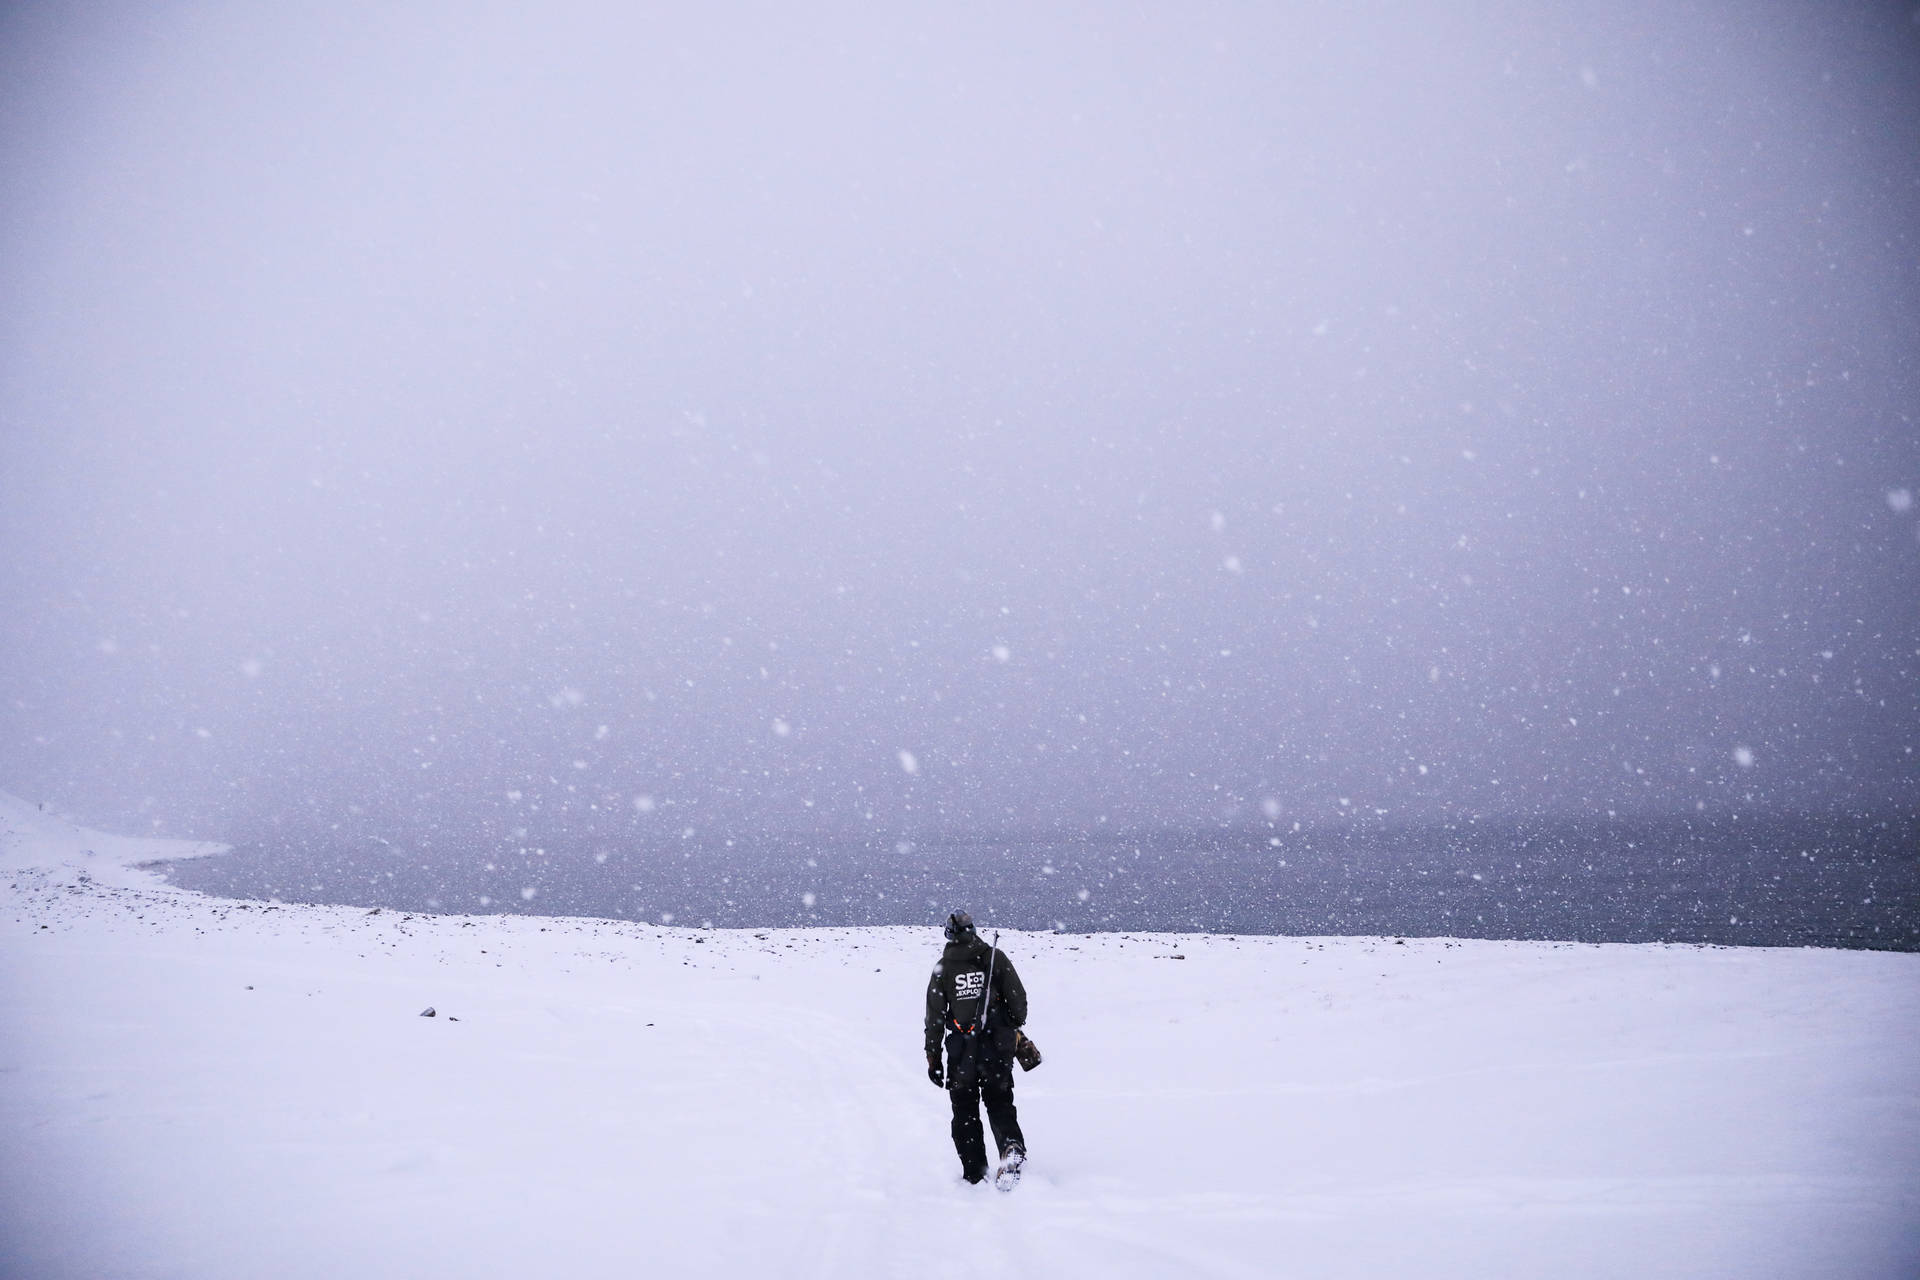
{"x":1804,"y":881}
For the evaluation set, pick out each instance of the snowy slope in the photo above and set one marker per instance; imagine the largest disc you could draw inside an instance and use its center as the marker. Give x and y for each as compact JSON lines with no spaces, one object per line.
{"x":31,"y":839}
{"x":219,"y":1089}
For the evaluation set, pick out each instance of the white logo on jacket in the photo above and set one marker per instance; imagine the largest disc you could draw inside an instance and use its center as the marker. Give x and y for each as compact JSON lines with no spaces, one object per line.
{"x":968,"y":986}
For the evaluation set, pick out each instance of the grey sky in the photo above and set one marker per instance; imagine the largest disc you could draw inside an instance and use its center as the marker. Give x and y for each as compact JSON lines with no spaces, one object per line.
{"x":1166,"y":415}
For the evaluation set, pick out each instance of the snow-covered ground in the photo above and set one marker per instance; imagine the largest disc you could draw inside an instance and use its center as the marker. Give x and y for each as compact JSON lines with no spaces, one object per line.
{"x":204,"y":1088}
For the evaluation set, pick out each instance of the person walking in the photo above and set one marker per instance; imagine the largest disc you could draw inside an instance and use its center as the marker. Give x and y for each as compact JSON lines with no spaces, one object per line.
{"x":976,"y":1005}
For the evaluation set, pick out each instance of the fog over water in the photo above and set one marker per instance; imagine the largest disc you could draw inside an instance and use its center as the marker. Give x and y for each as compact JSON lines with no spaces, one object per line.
{"x":897,"y":424}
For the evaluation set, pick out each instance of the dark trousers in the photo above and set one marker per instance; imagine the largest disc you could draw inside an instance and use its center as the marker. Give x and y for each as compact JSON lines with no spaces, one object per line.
{"x":995,"y":1088}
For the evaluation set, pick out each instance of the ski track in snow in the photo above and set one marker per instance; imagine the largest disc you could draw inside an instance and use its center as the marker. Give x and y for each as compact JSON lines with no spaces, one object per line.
{"x":213,"y":1088}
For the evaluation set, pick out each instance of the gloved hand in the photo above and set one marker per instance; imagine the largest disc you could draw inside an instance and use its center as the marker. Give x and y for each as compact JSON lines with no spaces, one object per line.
{"x":934,"y":1073}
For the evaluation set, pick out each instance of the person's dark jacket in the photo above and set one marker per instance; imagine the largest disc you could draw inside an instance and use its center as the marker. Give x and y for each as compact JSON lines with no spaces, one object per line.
{"x":957,"y":992}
